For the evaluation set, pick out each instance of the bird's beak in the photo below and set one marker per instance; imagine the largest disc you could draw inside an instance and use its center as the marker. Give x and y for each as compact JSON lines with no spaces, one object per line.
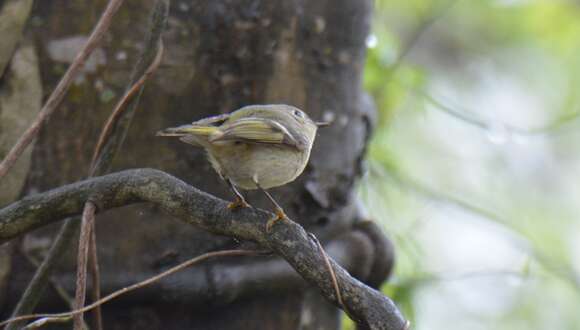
{"x":175,"y":131}
{"x":323,"y":123}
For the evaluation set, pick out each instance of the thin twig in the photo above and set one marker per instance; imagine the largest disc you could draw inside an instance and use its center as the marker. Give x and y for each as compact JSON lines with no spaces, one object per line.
{"x":63,"y":240}
{"x":60,"y":316}
{"x":470,"y":117}
{"x":63,"y":85}
{"x":60,"y":291}
{"x":332,"y":275}
{"x":331,"y":271}
{"x":117,"y":125}
{"x":87,"y":223}
{"x":97,"y":166}
{"x":44,"y":321}
{"x":37,"y":284}
{"x":122,"y":105}
{"x":424,"y":25}
{"x":353,"y":251}
{"x":96,"y":278}
{"x":415,"y":186}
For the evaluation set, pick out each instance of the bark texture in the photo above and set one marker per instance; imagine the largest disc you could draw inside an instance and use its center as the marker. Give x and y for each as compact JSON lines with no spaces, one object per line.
{"x":220,"y":55}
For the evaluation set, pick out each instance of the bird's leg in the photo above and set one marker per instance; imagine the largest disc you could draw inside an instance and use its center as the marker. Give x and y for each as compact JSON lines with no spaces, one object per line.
{"x":280,"y":215}
{"x":239,"y":201}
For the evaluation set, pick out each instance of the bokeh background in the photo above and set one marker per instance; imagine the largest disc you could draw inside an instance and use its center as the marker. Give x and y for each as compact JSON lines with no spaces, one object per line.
{"x":474,"y":167}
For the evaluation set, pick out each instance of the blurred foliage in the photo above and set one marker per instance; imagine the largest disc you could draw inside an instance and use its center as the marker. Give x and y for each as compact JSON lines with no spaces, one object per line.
{"x":473,"y":160}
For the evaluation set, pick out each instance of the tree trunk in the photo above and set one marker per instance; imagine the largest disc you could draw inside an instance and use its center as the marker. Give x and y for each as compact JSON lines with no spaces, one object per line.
{"x":220,"y":55}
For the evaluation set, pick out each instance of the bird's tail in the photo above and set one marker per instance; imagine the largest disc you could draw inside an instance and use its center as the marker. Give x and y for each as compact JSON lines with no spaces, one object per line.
{"x":189,"y":129}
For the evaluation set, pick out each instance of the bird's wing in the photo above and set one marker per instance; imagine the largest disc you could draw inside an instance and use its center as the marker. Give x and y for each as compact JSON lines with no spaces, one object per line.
{"x":255,"y":130}
{"x":212,"y":121}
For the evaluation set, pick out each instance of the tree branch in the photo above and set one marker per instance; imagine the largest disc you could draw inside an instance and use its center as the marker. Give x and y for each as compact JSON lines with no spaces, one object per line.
{"x":288,"y":239}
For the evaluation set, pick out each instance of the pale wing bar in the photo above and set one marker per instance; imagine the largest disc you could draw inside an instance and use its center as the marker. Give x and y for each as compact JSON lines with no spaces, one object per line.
{"x":256,"y":130}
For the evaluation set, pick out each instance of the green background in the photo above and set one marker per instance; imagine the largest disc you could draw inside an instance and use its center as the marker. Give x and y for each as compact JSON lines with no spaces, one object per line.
{"x":474,"y":166}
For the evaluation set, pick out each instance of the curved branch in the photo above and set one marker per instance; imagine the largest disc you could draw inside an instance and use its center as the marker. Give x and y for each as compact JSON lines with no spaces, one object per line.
{"x":287,"y":239}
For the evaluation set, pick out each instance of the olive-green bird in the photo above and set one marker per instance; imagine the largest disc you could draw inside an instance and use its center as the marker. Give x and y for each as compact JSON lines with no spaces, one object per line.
{"x":255,"y":147}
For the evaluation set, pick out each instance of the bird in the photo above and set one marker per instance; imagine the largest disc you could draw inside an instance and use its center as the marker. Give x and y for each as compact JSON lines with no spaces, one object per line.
{"x":256,"y":147}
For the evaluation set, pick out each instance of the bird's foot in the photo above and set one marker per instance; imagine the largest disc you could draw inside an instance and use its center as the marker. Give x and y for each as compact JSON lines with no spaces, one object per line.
{"x":280,"y":216}
{"x":238,"y":203}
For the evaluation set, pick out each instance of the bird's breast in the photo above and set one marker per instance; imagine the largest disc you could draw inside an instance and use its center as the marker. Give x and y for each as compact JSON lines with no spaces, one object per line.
{"x":271,"y":165}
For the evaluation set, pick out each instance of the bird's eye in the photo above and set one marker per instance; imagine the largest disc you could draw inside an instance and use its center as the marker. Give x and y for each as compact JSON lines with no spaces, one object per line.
{"x":298,"y":113}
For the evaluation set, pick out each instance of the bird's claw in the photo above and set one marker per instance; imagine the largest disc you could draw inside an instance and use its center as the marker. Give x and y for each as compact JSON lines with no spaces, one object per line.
{"x":280,"y":216}
{"x":238,"y":203}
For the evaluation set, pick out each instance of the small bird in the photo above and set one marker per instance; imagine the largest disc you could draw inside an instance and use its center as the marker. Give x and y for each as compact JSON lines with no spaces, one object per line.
{"x":254,"y":147}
